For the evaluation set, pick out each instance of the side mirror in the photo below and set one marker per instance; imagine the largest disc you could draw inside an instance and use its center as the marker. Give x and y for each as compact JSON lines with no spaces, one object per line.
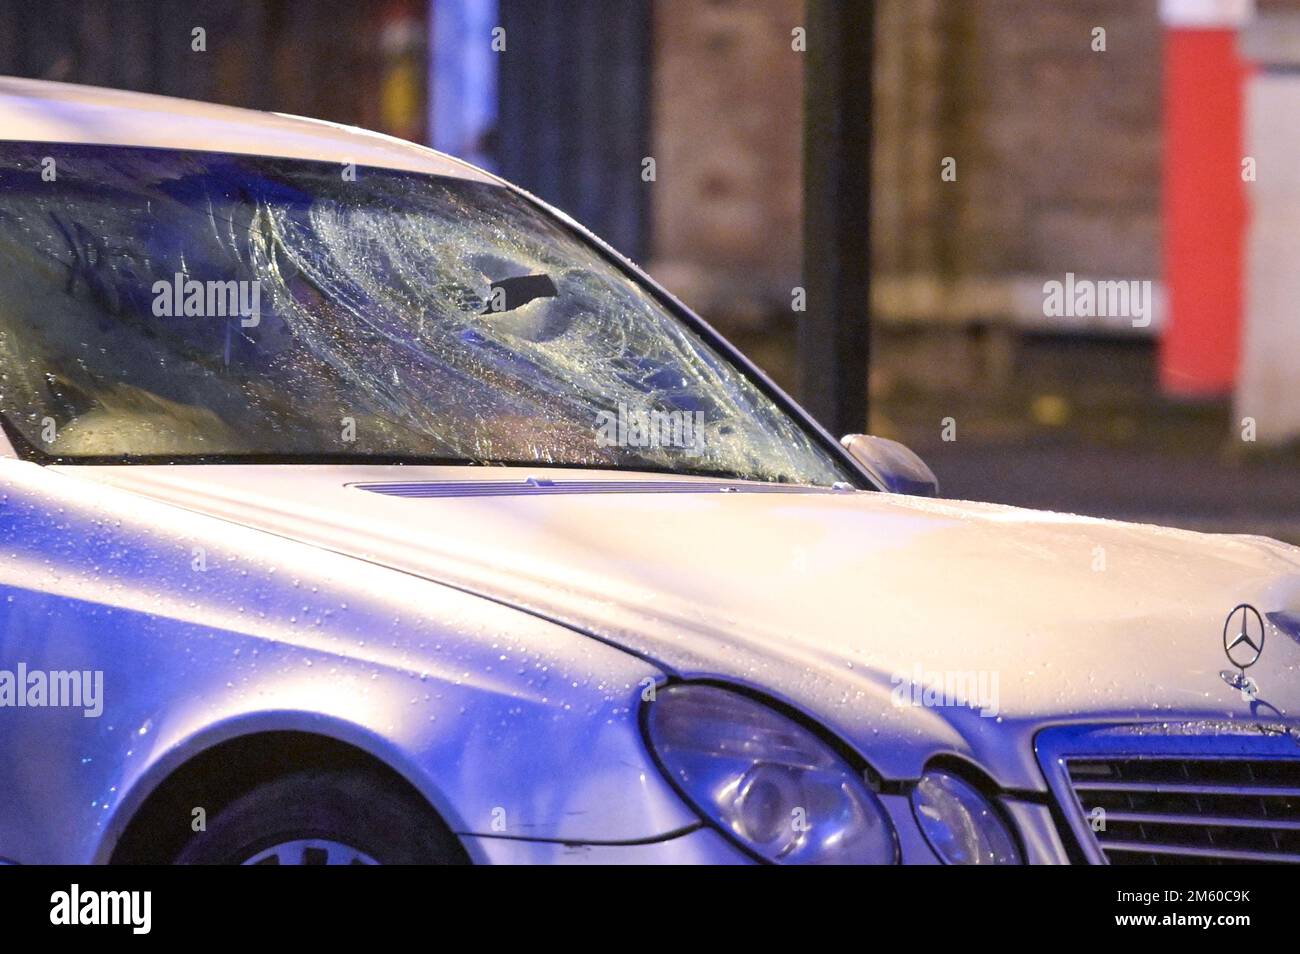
{"x":892,"y":465}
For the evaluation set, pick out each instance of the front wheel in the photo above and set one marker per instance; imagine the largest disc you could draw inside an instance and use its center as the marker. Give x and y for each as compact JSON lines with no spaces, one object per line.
{"x":331,"y":817}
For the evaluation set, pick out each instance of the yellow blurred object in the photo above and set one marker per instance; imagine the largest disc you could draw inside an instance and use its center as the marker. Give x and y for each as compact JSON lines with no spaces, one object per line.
{"x":400,"y":100}
{"x":1051,"y":410}
{"x":402,"y":40}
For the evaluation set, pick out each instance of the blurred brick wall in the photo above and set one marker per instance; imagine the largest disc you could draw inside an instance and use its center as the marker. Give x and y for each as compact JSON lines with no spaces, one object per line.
{"x":1057,"y":146}
{"x":1057,"y":150}
{"x":727,"y":98}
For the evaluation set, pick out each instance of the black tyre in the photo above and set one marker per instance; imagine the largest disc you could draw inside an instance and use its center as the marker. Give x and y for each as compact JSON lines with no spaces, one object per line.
{"x":321,"y":818}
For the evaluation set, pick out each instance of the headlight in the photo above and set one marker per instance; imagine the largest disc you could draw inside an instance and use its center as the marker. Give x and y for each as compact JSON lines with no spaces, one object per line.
{"x":768,"y":782}
{"x":960,"y":824}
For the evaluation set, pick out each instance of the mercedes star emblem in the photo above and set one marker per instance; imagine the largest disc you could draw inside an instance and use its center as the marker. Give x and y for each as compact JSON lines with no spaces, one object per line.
{"x":1243,"y":636}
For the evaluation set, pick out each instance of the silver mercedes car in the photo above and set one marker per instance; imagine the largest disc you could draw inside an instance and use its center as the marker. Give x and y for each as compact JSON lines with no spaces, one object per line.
{"x":356,"y":507}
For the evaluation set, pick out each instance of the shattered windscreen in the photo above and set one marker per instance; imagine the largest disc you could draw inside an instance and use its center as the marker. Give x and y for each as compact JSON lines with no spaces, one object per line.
{"x":164,"y":305}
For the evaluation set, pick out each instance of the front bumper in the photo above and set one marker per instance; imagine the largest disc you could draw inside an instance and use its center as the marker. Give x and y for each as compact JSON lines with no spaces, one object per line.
{"x":702,"y":846}
{"x":706,"y":846}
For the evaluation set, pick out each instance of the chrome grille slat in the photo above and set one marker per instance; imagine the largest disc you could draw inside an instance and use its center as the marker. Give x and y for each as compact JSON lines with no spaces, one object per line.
{"x":1211,"y":821}
{"x":1173,"y":787}
{"x":1147,"y":848}
{"x":1160,"y":794}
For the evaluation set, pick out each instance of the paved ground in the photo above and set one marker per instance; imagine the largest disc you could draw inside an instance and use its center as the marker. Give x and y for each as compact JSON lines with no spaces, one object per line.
{"x":1073,"y":425}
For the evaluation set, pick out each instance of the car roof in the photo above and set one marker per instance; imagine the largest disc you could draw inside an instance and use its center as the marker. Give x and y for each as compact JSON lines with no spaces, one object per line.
{"x":44,"y":111}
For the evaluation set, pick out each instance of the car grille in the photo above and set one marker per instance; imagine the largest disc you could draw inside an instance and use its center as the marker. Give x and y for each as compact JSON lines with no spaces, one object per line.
{"x":1222,"y":797}
{"x":1185,"y":810}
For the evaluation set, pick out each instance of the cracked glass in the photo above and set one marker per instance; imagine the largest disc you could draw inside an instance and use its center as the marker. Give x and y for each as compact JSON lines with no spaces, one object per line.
{"x":183,"y":306}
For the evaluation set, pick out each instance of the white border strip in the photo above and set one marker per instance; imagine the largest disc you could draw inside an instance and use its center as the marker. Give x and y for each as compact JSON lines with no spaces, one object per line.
{"x":1206,"y":14}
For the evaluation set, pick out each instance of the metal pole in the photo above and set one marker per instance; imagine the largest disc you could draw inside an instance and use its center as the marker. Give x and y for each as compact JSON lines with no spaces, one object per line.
{"x":833,"y":336}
